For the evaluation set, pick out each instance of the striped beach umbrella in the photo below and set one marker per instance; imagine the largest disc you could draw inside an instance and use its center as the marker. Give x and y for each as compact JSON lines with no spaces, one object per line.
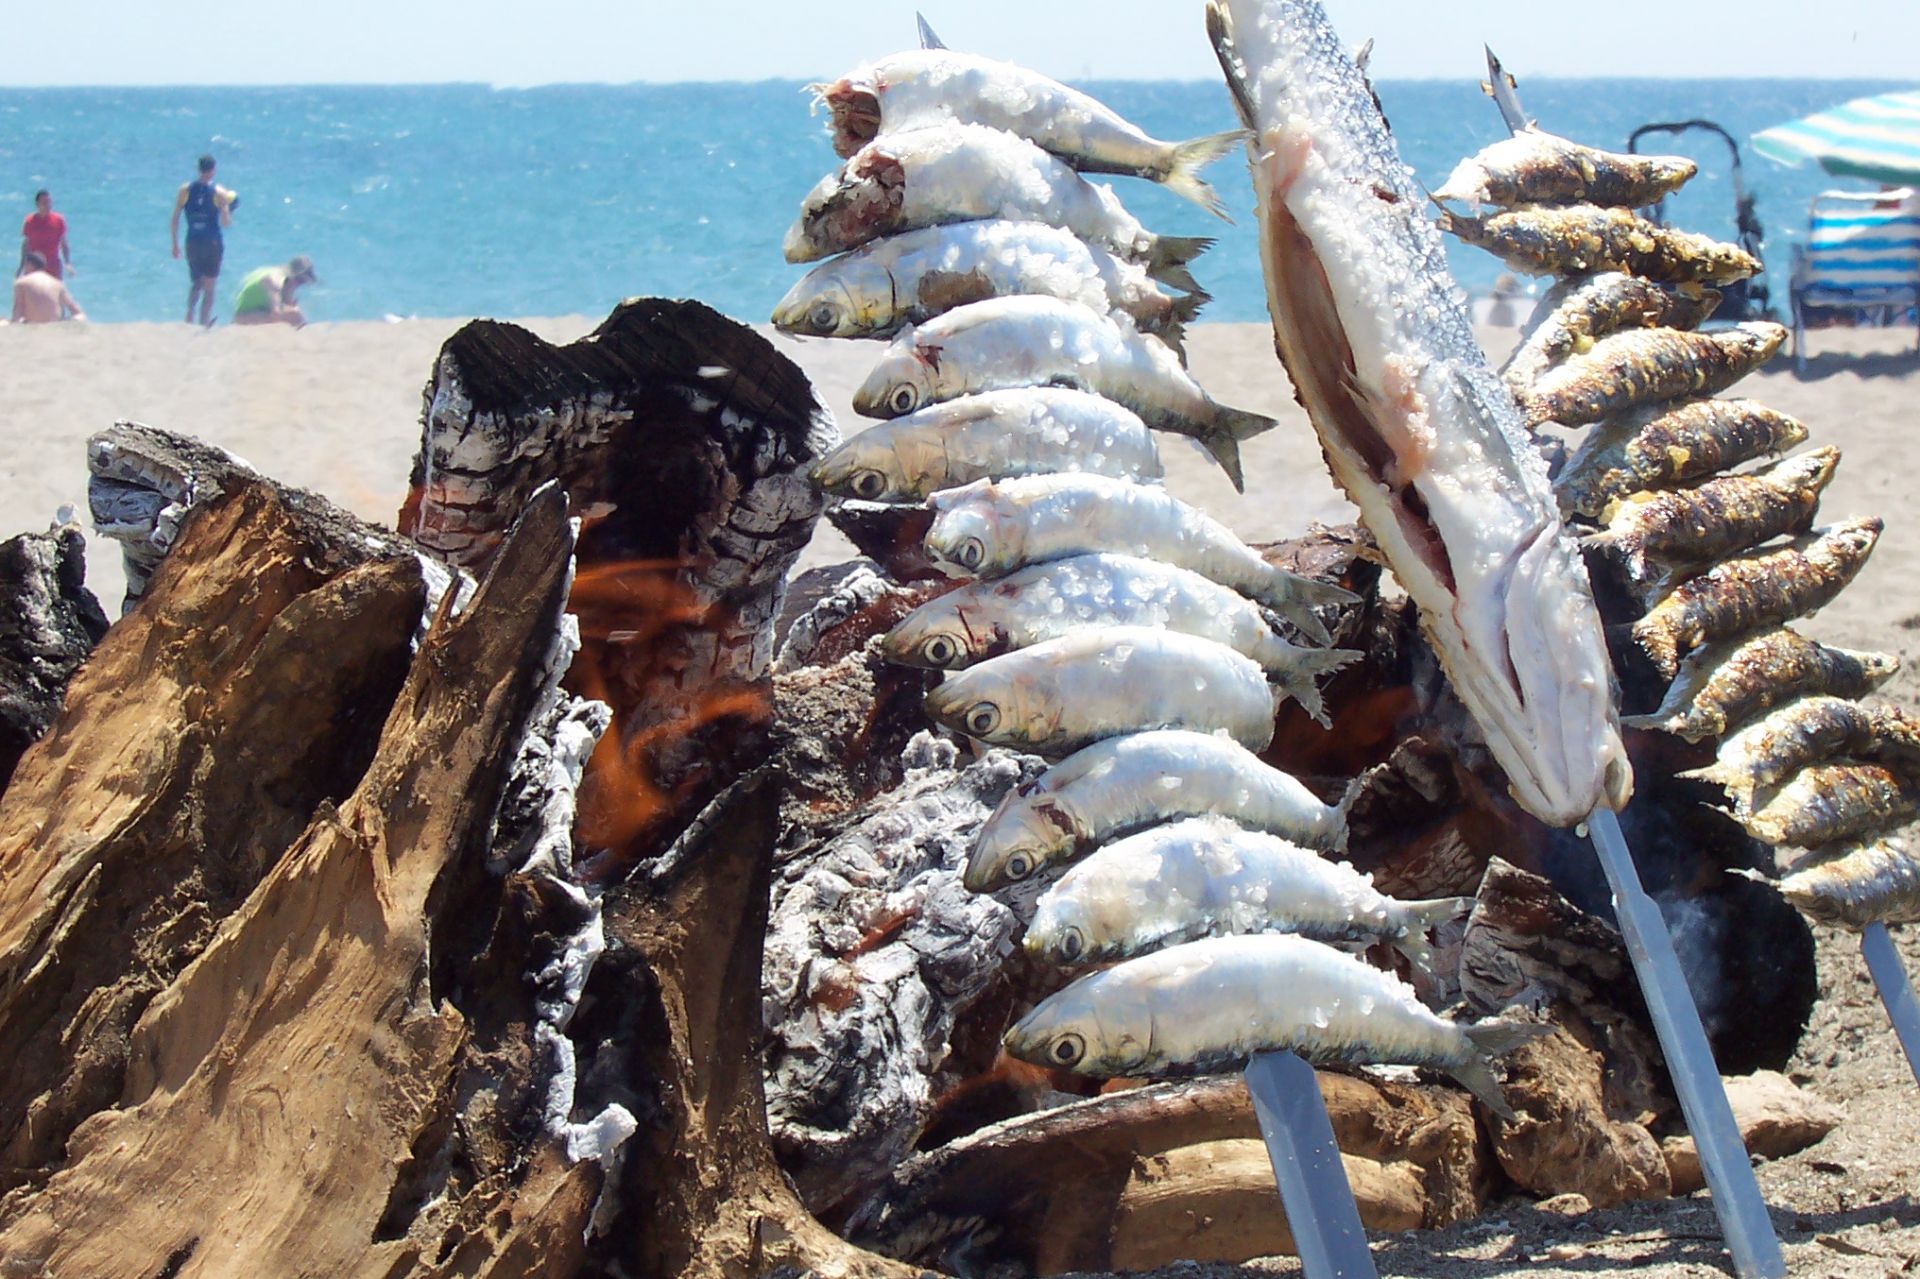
{"x":1876,"y":138}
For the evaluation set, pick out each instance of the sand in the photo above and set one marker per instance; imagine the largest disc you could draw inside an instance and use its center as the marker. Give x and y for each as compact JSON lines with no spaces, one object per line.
{"x":335,"y":407}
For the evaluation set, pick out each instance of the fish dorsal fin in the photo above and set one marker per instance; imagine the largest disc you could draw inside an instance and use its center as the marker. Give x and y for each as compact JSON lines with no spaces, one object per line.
{"x":928,"y":40}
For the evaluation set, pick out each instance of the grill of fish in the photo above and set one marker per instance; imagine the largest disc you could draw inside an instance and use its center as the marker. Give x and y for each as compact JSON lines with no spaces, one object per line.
{"x":1209,"y":1005}
{"x":1417,"y":428}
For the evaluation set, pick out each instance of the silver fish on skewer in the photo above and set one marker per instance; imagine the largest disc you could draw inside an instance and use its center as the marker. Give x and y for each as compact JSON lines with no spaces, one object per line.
{"x":1537,"y":167}
{"x":1581,"y":238}
{"x":1060,"y":695}
{"x":1209,"y":1005}
{"x":992,"y":529}
{"x":930,"y":86}
{"x":967,"y":173}
{"x":984,"y":619}
{"x":1122,"y":784}
{"x":1659,"y":538}
{"x":1761,"y":588}
{"x":1830,"y":801}
{"x":1042,"y":430}
{"x":1576,"y":313}
{"x":881,"y":287}
{"x":1871,"y":883}
{"x":1417,"y":428}
{"x":1207,"y":877}
{"x":1726,"y":684}
{"x":1033,"y":341}
{"x":1648,"y":366}
{"x":1811,"y":730}
{"x":1669,"y":444}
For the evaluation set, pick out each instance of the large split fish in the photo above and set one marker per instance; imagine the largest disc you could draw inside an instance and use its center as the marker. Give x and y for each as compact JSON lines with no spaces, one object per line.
{"x":1417,"y":428}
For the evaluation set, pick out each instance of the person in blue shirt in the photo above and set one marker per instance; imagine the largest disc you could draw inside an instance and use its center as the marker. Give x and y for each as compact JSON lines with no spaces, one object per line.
{"x":208,"y":208}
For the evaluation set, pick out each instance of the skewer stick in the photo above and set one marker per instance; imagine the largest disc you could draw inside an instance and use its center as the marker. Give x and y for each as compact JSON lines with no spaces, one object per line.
{"x":1703,"y":1098}
{"x":1313,"y":1182}
{"x":1896,"y":990}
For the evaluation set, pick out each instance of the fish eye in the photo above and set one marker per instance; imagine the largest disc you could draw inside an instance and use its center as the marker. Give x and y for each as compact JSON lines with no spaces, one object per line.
{"x":941,"y":650}
{"x":824,"y":317}
{"x":1067,"y":1049}
{"x":1072,"y":944}
{"x":1019,"y":866}
{"x":904,"y":398}
{"x":982,"y":718}
{"x":870,"y":485}
{"x":970,"y":554}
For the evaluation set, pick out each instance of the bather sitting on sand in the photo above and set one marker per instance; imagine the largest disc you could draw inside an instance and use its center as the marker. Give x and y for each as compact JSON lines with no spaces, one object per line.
{"x":39,"y":297}
{"x":266,"y":295}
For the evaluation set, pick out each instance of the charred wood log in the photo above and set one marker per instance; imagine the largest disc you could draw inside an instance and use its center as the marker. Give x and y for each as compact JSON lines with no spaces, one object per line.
{"x":324,"y":976}
{"x":682,"y":438}
{"x":49,"y":622}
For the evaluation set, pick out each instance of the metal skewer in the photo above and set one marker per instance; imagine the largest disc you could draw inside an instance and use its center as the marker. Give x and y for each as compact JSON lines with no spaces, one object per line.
{"x":1313,"y":1182}
{"x":1896,"y":990}
{"x":1703,"y":1098}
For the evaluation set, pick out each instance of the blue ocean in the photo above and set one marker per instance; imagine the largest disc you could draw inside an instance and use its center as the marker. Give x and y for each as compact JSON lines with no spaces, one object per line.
{"x":457,"y":200}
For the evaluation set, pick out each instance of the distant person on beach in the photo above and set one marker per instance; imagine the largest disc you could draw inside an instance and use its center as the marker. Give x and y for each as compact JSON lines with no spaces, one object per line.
{"x":208,"y":208}
{"x":45,"y":232}
{"x":266,"y":295}
{"x":39,"y":297}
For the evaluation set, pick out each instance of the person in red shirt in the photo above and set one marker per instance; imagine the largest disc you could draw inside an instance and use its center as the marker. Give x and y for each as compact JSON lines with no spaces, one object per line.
{"x":45,"y":232}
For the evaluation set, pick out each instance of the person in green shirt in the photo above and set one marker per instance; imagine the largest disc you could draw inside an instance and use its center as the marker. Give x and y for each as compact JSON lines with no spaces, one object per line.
{"x":266,"y":295}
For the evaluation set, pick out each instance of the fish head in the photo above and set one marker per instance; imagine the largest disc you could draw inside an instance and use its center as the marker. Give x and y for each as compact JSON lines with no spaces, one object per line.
{"x":1007,"y":701}
{"x":848,"y":208}
{"x":946,"y":634}
{"x":827,"y":302}
{"x":1090,"y":1028}
{"x":906,"y":378}
{"x":1030,"y":829}
{"x":1062,"y":932}
{"x":865,"y":467}
{"x":973,"y":532}
{"x":853,"y":107}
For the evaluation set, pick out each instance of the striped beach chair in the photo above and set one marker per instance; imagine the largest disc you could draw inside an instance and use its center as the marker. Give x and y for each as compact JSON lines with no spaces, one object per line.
{"x":1861,"y":258}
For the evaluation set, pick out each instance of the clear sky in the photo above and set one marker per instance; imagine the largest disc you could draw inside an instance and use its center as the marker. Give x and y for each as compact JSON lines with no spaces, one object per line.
{"x":518,"y":42}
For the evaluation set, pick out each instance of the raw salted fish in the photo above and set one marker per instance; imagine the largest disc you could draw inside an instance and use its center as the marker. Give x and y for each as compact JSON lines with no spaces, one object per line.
{"x":1873,"y":883}
{"x":1209,"y":1005}
{"x":1031,"y":341}
{"x":1417,"y":428}
{"x":995,"y":435}
{"x":1758,"y":589}
{"x":1058,"y":696}
{"x":1656,"y":535}
{"x":1666,"y":445}
{"x":984,"y":619}
{"x":930,"y":86}
{"x":965,"y":173}
{"x":1576,"y":313}
{"x":1537,"y":167}
{"x":1831,"y":801}
{"x":994,"y":528}
{"x":880,"y":287}
{"x":1207,"y":877}
{"x":1576,"y":239}
{"x":1810,"y":730}
{"x":1126,"y":783}
{"x":1726,"y":684}
{"x":1649,"y":366}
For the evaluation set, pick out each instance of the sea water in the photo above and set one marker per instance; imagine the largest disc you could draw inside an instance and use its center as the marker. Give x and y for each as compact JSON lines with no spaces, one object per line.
{"x":459,"y":200}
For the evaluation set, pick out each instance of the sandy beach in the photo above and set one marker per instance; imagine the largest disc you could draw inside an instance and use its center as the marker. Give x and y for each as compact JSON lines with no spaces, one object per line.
{"x":335,"y":407}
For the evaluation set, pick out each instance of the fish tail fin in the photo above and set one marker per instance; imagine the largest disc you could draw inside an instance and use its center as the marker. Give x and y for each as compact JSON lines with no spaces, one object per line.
{"x":1295,"y":598}
{"x":1220,"y":35}
{"x":1301,"y":677}
{"x":1223,"y":435}
{"x":1168,"y":256}
{"x":1490,"y":1040}
{"x":1187,"y":158}
{"x":1422,"y":915}
{"x":1185,"y":310}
